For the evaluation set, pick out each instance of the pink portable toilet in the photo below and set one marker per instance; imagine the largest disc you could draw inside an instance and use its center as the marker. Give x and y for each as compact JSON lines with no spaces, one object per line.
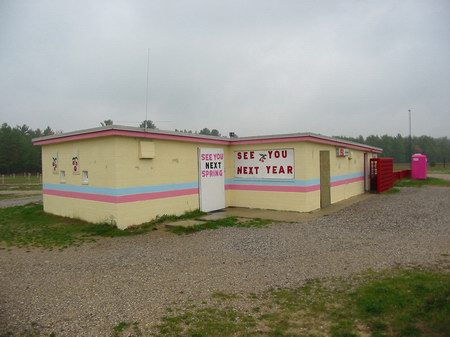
{"x":418,"y":166}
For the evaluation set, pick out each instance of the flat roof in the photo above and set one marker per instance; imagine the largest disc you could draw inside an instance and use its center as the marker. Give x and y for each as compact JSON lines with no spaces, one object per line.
{"x":127,"y":131}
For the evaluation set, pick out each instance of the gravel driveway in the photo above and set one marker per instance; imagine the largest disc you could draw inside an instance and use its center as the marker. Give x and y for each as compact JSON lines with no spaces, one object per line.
{"x":85,"y":291}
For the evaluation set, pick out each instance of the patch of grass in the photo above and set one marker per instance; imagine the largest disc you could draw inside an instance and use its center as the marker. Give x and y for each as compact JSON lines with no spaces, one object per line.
{"x":19,"y":179}
{"x":12,"y":188}
{"x":20,"y":183}
{"x":439,"y":168}
{"x":185,"y":216}
{"x":224,"y":296}
{"x":215,"y":224}
{"x":10,"y":196}
{"x":207,"y":322}
{"x":127,"y":329}
{"x":410,"y":304}
{"x":312,"y":295}
{"x":256,"y":222}
{"x":119,"y":328}
{"x":420,"y":183}
{"x":343,"y":328}
{"x":387,"y":304}
{"x":29,"y":225}
{"x":144,"y":228}
{"x":393,"y":190}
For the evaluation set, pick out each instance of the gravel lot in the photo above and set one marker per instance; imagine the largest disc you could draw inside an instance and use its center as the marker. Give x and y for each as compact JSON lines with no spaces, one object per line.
{"x":85,"y":291}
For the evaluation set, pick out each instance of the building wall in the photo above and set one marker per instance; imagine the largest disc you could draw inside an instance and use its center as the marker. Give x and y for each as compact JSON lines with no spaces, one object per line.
{"x":347,"y":174}
{"x":166,"y":184}
{"x":259,"y":193}
{"x":88,"y":210}
{"x":123,"y":188}
{"x":127,"y":190}
{"x":71,"y":198}
{"x":347,"y":179}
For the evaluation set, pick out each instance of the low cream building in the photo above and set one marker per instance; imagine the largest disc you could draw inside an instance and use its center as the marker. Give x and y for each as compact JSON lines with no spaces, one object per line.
{"x":129,"y":176}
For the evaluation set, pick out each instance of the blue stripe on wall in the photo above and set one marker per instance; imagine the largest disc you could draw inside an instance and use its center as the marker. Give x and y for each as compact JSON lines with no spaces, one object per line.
{"x":279,"y":182}
{"x":174,"y":187}
{"x":120,"y":191}
{"x":347,"y":176}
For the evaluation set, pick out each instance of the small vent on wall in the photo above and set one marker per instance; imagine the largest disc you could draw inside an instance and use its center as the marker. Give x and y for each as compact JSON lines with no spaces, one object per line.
{"x":85,"y":177}
{"x":146,"y":150}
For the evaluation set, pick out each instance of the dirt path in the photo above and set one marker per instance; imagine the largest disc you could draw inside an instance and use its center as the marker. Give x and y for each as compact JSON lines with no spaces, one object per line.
{"x":85,"y":291}
{"x":440,"y":175}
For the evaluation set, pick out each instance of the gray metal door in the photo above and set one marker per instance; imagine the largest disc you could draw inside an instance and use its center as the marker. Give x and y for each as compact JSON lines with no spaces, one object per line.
{"x":325,"y":187}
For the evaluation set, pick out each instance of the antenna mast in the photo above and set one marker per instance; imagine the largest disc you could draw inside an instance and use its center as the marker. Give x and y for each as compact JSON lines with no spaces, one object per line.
{"x":146,"y":92}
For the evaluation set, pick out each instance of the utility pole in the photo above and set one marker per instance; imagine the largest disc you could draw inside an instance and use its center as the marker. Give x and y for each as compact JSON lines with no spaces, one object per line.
{"x":410,"y":138}
{"x":146,"y":91}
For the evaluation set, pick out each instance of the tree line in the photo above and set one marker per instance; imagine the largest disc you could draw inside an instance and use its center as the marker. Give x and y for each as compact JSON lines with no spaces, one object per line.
{"x":148,"y":124}
{"x":398,"y":147}
{"x":17,"y":154}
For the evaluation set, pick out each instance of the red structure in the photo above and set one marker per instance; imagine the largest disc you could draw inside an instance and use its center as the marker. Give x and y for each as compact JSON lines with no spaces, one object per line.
{"x":381,"y":174}
{"x":399,"y":175}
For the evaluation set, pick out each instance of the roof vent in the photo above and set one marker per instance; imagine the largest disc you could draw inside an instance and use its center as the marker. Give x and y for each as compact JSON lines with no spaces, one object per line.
{"x":233,"y":135}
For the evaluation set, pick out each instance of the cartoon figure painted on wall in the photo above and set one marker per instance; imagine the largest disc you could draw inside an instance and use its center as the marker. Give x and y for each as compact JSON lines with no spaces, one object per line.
{"x":55,"y":166}
{"x":75,"y":163}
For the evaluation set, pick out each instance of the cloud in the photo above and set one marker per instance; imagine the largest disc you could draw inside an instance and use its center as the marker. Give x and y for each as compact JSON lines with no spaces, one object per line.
{"x":252,"y":67}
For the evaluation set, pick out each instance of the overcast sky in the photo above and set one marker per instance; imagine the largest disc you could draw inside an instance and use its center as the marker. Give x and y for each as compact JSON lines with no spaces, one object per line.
{"x":253,"y":67}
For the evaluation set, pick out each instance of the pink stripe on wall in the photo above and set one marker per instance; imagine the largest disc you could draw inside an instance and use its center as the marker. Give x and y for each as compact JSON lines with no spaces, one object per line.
{"x":122,"y":198}
{"x":78,"y":195}
{"x":156,"y":195}
{"x":239,"y":187}
{"x":312,"y":188}
{"x":346,"y":181}
{"x":190,"y":191}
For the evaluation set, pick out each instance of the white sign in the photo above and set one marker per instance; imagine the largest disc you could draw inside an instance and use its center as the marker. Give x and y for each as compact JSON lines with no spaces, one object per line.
{"x":342,"y":152}
{"x":265,"y":164}
{"x":212,"y":179}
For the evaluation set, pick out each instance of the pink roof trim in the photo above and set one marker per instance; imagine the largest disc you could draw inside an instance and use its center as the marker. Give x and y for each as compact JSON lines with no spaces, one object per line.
{"x":106,"y":133}
{"x":197,"y":139}
{"x":302,"y":139}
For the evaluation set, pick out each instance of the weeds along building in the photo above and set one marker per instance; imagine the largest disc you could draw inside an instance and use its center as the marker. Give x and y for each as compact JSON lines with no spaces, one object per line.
{"x":128,"y":176}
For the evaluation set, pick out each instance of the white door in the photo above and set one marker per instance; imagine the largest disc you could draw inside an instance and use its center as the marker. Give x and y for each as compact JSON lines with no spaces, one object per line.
{"x":211,"y":179}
